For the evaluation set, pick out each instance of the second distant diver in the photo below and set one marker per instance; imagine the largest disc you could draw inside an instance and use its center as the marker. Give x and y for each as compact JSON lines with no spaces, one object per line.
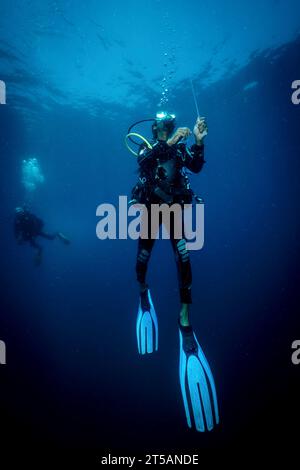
{"x":28,"y":227}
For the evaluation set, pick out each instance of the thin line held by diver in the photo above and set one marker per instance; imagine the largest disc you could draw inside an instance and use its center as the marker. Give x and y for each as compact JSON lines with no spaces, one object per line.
{"x":195,"y":100}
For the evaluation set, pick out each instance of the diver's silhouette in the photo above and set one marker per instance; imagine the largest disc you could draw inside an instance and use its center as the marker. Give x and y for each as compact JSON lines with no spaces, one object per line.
{"x":28,"y":227}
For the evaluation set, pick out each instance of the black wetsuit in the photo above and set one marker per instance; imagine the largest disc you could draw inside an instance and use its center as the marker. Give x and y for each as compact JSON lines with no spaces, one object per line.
{"x":28,"y":226}
{"x":162,"y":181}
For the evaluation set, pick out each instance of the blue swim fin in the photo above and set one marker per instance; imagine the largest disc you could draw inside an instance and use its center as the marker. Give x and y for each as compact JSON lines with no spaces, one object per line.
{"x":146,"y":325}
{"x":197,"y":383}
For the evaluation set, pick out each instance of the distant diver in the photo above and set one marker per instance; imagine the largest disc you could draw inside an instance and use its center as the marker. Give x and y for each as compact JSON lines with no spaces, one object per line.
{"x":163,"y":180}
{"x":28,"y":227}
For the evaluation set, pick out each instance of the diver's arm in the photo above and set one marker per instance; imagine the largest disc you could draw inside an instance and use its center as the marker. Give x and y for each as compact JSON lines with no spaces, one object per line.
{"x":181,"y":133}
{"x":200,"y":130}
{"x":194,"y":158}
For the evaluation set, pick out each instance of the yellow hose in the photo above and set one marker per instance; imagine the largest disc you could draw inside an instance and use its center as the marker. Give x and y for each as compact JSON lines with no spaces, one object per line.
{"x":134,"y":134}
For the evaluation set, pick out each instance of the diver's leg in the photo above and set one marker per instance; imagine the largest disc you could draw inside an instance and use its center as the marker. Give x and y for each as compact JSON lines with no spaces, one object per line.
{"x":143,"y":255}
{"x":63,"y":238}
{"x":52,"y":236}
{"x":184,"y":318}
{"x":48,"y":236}
{"x":146,"y":323}
{"x":184,"y":272}
{"x":39,"y":251}
{"x":145,"y":246}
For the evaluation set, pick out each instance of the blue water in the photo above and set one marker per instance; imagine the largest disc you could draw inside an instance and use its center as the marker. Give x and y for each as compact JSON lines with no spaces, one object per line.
{"x":77,"y":76}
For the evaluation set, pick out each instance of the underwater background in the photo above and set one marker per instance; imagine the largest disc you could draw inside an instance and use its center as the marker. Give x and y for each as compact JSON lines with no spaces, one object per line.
{"x":77,"y":75}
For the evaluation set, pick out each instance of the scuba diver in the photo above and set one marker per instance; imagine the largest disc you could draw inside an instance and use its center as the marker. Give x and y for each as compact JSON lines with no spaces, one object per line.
{"x":28,"y":227}
{"x":163,"y":180}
